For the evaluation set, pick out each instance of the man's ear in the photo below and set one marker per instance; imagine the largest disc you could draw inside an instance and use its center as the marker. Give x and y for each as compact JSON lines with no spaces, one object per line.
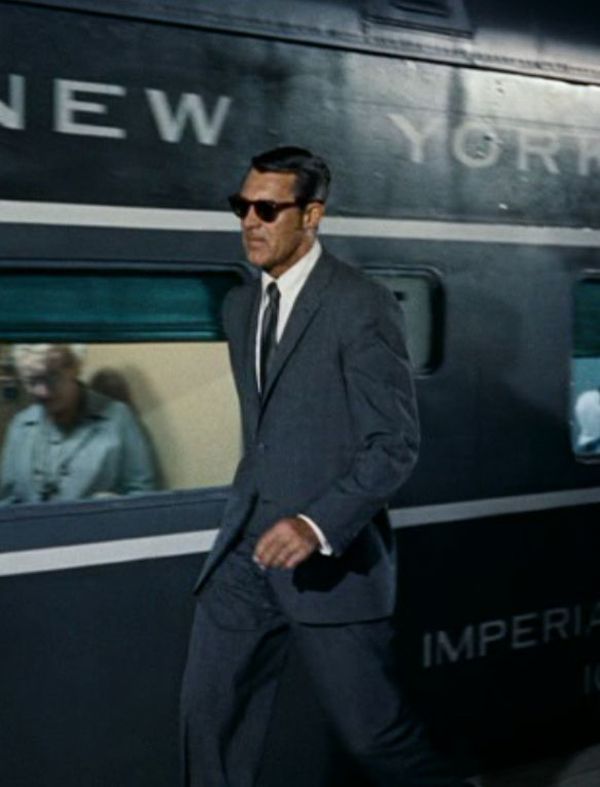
{"x":313,"y":214}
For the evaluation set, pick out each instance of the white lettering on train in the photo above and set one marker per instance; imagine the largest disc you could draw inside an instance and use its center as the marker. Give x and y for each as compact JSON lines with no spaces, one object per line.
{"x":416,"y":137}
{"x":541,"y":144}
{"x":475,"y":143}
{"x":171,"y":124}
{"x":75,"y":113}
{"x":479,"y":144}
{"x":519,"y":632}
{"x":488,"y":151}
{"x":591,"y":679}
{"x":447,"y":650}
{"x":12,"y":114}
{"x":68,"y":105}
{"x":589,"y":151}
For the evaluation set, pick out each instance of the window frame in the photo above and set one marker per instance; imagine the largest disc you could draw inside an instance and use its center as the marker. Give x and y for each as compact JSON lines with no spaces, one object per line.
{"x":437,"y":304}
{"x":56,"y":510}
{"x":49,"y":266}
{"x":589,"y":274}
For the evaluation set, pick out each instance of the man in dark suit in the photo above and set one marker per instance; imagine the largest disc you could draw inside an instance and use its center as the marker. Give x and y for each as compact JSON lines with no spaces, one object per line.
{"x":305,"y":555}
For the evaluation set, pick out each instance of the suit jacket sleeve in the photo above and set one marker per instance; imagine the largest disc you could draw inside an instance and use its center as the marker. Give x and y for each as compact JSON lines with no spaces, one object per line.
{"x":381,"y":400}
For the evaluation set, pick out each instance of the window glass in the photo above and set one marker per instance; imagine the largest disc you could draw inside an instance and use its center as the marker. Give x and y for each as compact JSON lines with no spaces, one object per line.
{"x":126,"y":306}
{"x":178,"y":429}
{"x":585,"y":371}
{"x":140,"y":411}
{"x":420,"y":295}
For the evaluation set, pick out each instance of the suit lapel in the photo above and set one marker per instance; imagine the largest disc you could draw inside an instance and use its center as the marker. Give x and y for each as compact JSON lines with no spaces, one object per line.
{"x":242,"y":341}
{"x":251,"y":326}
{"x":305,"y":308}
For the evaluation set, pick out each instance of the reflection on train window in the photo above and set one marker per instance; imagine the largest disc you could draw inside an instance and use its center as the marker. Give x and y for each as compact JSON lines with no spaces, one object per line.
{"x":585,"y":371}
{"x":152,"y":407}
{"x":420,"y":294}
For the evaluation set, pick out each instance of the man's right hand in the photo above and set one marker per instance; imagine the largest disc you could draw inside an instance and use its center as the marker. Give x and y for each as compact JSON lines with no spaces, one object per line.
{"x":289,"y":542}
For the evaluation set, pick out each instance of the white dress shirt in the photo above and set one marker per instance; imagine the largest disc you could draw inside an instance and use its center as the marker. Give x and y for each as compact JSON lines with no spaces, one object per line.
{"x":289,"y":285}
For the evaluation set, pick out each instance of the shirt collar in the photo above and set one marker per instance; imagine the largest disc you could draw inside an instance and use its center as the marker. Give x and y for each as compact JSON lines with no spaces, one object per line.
{"x":293,"y":279}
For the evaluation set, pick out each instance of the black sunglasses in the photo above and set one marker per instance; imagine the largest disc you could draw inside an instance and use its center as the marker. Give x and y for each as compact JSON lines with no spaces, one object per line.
{"x":265,"y":209}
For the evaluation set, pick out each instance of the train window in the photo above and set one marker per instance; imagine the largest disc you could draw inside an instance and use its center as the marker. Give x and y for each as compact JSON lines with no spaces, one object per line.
{"x":585,"y":371}
{"x":114,"y":304}
{"x":420,"y":294}
{"x":114,"y":383}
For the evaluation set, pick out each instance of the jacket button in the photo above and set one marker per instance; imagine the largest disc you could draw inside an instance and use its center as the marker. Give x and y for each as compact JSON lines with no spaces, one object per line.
{"x":261,"y":448}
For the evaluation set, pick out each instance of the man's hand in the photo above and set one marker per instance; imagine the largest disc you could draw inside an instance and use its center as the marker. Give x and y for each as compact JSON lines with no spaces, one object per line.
{"x":286,"y":544}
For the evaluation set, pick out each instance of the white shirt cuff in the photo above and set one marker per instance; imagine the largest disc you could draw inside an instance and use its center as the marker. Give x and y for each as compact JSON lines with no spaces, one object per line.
{"x":324,"y":545}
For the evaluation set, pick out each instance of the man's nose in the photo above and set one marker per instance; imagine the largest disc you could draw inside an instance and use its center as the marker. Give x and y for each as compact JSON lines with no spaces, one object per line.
{"x":40,"y":391}
{"x":251,"y":218}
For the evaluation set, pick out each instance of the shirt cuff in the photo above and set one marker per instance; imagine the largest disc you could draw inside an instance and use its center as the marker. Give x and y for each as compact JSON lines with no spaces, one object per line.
{"x":325,"y":547}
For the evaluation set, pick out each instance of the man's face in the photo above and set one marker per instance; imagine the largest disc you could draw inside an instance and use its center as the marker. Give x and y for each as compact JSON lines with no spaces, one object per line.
{"x":52,"y":384}
{"x":275,"y":246}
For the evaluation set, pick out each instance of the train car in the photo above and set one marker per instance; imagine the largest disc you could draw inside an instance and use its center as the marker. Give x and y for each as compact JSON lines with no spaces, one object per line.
{"x":464,"y":138}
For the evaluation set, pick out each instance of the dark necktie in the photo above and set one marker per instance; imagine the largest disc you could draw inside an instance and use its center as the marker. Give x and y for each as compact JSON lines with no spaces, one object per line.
{"x":268,"y":334}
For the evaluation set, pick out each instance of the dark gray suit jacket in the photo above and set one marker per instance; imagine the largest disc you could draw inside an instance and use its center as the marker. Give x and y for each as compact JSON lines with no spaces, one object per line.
{"x":333,"y":436}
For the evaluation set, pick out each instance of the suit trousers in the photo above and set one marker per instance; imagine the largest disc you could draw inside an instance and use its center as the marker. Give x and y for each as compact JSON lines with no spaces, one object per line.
{"x":238,"y":647}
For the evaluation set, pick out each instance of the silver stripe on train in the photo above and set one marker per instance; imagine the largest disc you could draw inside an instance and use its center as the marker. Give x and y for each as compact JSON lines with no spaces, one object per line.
{"x":33,"y":561}
{"x":115,"y":216}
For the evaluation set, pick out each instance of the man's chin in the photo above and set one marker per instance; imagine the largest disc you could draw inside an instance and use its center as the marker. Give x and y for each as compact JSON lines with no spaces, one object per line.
{"x":259,"y":260}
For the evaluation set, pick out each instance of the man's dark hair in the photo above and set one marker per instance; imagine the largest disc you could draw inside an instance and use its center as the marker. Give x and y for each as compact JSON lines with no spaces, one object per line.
{"x":312,"y":173}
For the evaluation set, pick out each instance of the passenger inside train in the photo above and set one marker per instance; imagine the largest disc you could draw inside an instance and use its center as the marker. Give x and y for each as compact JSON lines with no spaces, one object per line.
{"x":71,"y":442}
{"x":587,"y":413}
